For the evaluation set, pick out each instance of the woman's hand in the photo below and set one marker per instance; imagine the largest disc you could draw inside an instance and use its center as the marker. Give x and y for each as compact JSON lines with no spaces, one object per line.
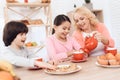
{"x":101,"y":37}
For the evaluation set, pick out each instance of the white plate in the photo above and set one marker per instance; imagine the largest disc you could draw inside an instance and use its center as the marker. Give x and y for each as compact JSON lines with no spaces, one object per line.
{"x":36,"y":48}
{"x":108,"y":66}
{"x":66,"y":72}
{"x":33,"y":47}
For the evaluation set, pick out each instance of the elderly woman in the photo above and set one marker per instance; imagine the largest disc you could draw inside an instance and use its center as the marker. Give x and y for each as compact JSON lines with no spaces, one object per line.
{"x":88,"y":25}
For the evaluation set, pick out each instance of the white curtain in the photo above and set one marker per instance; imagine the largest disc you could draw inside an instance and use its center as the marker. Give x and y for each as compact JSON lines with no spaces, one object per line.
{"x":114,"y":6}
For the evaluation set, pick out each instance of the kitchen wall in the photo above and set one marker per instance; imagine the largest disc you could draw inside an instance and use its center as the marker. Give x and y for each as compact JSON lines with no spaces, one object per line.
{"x":1,"y":22}
{"x":64,"y":6}
{"x":114,"y":18}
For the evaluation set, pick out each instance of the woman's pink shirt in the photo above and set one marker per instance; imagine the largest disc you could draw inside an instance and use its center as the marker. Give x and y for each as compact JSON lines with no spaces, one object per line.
{"x":100,"y":28}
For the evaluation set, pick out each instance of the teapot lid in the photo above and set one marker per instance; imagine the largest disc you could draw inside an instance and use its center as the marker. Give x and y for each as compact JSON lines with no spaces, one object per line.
{"x":87,"y":34}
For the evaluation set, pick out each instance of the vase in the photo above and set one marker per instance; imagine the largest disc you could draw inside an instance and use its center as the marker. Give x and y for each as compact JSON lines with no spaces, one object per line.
{"x":88,"y":5}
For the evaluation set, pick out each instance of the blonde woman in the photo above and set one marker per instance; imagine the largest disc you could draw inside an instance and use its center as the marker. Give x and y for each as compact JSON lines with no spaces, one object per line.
{"x":87,"y":24}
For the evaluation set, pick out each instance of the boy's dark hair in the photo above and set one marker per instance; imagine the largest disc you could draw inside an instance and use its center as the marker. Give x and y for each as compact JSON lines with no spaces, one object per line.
{"x":59,"y":20}
{"x":11,"y":30}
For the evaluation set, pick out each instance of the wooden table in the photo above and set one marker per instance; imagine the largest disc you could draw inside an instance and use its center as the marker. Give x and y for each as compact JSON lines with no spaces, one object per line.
{"x":90,"y":71}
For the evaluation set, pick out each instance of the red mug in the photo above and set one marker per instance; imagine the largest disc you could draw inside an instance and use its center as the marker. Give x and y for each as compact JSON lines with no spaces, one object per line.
{"x":26,"y":1}
{"x":78,"y":55}
{"x":111,"y":50}
{"x":39,"y":59}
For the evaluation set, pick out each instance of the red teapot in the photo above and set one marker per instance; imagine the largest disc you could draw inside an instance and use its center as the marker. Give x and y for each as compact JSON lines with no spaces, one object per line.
{"x":90,"y":44}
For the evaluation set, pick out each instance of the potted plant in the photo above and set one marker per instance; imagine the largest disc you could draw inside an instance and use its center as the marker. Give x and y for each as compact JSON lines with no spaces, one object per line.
{"x":87,"y":1}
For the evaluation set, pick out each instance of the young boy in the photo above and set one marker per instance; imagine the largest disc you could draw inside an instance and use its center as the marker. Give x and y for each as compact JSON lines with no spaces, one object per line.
{"x":14,"y":36}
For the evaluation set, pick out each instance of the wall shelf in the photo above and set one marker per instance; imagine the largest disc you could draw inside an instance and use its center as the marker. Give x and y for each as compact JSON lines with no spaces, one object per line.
{"x":34,"y":6}
{"x":98,"y":14}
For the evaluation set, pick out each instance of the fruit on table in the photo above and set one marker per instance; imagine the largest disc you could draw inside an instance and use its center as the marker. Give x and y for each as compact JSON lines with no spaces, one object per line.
{"x":34,"y":43}
{"x":109,"y":56}
{"x":29,"y":44}
{"x":6,"y":66}
{"x":117,"y":56}
{"x":4,"y":75}
{"x":109,"y":59}
{"x":102,"y":60}
{"x":113,"y":62}
{"x":6,"y":71}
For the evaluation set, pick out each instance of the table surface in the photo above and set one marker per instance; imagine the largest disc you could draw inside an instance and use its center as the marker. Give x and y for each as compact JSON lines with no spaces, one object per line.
{"x":89,"y":71}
